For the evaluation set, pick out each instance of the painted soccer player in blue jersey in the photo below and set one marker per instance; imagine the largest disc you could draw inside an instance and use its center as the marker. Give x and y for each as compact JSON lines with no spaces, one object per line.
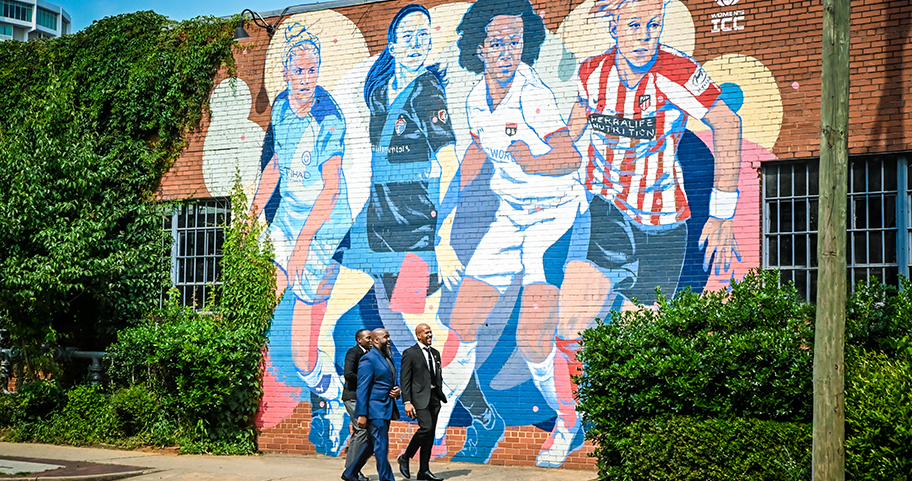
{"x":306,"y":142}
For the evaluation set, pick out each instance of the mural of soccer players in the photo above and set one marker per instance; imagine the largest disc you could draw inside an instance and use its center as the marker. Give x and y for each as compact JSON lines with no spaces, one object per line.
{"x":303,"y":154}
{"x":515,"y":124}
{"x":634,"y":102}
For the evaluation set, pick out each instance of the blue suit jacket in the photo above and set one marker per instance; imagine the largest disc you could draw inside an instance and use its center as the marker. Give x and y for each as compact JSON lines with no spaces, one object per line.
{"x":375,"y":379}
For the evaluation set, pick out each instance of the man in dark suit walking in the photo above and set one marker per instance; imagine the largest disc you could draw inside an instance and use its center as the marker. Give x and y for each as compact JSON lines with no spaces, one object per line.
{"x":376,"y":405}
{"x":422,"y":393}
{"x":349,"y":396}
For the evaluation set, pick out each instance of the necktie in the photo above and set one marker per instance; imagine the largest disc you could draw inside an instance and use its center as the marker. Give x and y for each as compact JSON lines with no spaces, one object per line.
{"x":430,"y":360}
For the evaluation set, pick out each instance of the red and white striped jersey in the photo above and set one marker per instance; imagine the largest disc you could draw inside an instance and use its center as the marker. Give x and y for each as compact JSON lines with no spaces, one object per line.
{"x":634,"y":132}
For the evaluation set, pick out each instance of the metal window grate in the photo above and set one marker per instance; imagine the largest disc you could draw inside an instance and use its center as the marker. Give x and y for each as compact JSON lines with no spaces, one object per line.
{"x":875,"y":217}
{"x":197,"y":233}
{"x":871,"y":242}
{"x":790,"y":223}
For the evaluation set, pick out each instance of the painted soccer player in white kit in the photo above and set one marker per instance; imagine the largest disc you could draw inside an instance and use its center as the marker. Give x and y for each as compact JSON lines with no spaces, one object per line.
{"x":515,"y":123}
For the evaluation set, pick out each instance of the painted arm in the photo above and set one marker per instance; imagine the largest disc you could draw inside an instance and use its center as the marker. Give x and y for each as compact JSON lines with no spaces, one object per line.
{"x":269,"y":180}
{"x":718,"y":233}
{"x":563,"y":157}
{"x":578,"y":120}
{"x":319,"y":215}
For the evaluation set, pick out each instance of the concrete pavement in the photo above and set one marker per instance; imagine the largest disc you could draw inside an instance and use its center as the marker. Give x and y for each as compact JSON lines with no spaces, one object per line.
{"x":148,"y":466}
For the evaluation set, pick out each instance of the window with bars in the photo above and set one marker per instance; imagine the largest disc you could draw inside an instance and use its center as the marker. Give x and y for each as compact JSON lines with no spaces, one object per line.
{"x":876,"y":215}
{"x":197,"y":235}
{"x":17,"y":10}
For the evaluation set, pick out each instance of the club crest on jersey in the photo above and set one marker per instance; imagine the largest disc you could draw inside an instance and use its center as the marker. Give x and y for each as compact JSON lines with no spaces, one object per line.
{"x":645,"y":101}
{"x":443,"y":116}
{"x":510,"y":129}
{"x":400,"y":126}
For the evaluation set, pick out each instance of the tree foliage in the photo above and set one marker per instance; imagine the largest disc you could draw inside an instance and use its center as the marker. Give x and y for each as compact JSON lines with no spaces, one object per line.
{"x":88,"y":124}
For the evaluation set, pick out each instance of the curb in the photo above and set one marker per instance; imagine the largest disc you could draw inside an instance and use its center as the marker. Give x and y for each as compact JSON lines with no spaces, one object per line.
{"x":90,"y":477}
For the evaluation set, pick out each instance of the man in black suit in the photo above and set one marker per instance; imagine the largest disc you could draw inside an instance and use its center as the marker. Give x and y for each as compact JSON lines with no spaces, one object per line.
{"x":349,"y":395}
{"x":422,"y":392}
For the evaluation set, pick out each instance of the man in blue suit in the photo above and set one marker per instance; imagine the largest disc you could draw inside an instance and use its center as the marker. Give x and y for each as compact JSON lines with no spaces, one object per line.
{"x":376,"y":405}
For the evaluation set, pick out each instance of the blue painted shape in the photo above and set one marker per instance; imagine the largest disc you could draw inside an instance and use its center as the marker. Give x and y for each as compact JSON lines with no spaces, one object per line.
{"x":732,"y":95}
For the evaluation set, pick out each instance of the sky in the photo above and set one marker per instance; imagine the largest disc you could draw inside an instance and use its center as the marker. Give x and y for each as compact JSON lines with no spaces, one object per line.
{"x":83,"y":12}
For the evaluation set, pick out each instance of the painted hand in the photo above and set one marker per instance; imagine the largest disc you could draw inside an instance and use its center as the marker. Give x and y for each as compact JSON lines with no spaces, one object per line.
{"x":523,"y":156}
{"x":719,"y":239}
{"x":448,"y":265}
{"x":297,"y":262}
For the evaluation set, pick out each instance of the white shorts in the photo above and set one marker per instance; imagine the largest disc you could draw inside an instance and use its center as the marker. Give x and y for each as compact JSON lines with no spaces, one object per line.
{"x":517,"y":240}
{"x":319,"y":270}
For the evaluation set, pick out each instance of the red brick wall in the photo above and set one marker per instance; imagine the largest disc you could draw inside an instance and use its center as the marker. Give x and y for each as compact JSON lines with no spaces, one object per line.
{"x":774,"y":60}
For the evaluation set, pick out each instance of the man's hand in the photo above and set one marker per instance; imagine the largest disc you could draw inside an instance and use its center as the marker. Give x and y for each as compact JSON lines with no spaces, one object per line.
{"x":362,"y":421}
{"x":410,"y":410}
{"x":394,"y":392}
{"x":719,"y":238}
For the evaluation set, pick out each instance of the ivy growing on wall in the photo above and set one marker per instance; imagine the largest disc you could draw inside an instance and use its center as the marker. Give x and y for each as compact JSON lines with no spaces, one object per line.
{"x":88,"y":124}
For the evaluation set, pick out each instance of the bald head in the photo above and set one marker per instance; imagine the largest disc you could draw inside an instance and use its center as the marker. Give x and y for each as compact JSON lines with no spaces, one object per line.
{"x":423,"y":334}
{"x":380,"y":338}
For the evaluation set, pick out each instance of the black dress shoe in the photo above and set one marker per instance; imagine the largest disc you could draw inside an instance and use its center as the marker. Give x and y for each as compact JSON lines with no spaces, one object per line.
{"x":429,"y":476}
{"x":362,"y":477}
{"x":344,"y":478}
{"x":404,"y":467}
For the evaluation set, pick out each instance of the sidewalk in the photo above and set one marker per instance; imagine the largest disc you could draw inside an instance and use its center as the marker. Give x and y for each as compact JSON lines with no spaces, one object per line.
{"x":147,"y":466}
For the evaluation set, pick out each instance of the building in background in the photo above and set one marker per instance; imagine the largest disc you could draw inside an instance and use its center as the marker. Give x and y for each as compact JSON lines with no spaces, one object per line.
{"x":29,"y":19}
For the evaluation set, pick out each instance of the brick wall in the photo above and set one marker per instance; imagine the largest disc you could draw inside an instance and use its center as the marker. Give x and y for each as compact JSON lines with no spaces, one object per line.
{"x":506,"y":327}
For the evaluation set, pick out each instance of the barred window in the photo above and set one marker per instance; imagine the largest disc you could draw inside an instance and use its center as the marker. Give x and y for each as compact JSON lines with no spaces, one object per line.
{"x":17,"y":10}
{"x":198,"y":233}
{"x":876,"y":214}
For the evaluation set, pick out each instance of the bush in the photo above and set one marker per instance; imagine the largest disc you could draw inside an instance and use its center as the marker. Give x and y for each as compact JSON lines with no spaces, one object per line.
{"x":746,"y":353}
{"x":699,"y":368}
{"x":879,"y":318}
{"x":203,"y":370}
{"x":685,"y":448}
{"x":878,"y":417}
{"x":38,"y":400}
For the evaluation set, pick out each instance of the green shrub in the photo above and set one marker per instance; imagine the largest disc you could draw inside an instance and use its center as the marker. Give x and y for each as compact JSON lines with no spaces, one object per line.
{"x":37,"y":400}
{"x":685,"y":448}
{"x":879,"y":318}
{"x":702,"y":364}
{"x":204,"y":369}
{"x":135,"y":410}
{"x":746,"y":353}
{"x":878,"y":417}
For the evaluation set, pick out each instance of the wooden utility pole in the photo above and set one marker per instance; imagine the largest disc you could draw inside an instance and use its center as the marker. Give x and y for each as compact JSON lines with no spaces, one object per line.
{"x":829,"y":338}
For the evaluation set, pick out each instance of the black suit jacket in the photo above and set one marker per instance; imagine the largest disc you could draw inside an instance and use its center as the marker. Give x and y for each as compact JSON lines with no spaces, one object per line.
{"x":415,"y":378}
{"x":350,"y":373}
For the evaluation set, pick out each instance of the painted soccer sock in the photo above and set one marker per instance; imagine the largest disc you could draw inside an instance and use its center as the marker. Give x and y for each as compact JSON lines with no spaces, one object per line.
{"x":349,"y":288}
{"x":456,"y":378}
{"x":324,"y":380}
{"x":565,"y":366}
{"x":543,"y":377}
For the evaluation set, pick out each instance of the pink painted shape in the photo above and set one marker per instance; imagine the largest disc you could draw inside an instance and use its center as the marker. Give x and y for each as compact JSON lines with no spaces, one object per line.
{"x":795,"y":85}
{"x":411,"y":286}
{"x":747,"y":215}
{"x":279,"y":399}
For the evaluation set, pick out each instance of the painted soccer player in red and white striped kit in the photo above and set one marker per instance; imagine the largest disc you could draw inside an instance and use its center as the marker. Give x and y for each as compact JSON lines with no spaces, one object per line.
{"x":634,"y":103}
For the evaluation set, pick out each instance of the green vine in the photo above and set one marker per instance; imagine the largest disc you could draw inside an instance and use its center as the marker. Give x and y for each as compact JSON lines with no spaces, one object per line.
{"x":88,"y":125}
